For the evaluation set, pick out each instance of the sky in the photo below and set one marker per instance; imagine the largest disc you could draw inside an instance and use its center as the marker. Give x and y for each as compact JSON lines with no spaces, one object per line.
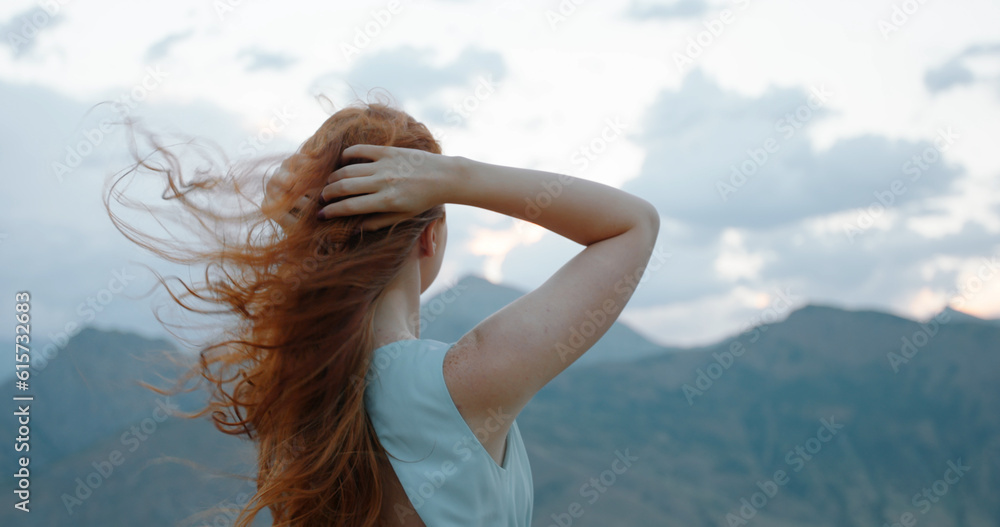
{"x":836,"y":153}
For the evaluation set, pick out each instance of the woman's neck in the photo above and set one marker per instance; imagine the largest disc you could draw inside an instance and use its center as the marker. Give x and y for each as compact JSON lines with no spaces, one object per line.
{"x":397,"y":313}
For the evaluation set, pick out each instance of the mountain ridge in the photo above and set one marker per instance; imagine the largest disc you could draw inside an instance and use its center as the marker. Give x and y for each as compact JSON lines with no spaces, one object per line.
{"x":706,"y":425}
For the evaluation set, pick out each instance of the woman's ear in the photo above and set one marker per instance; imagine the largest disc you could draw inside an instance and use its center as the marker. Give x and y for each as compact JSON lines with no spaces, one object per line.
{"x":429,"y":239}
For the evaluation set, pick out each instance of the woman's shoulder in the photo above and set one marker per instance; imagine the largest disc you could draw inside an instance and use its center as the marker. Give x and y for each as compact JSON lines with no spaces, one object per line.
{"x":404,"y":355}
{"x":406,"y":395}
{"x":407,"y":372}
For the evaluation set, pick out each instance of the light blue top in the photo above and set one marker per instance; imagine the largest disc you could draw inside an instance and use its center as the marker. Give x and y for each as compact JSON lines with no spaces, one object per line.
{"x":448,"y":475}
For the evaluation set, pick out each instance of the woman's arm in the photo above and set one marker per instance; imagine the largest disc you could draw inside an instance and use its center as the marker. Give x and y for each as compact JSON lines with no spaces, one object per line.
{"x":508,"y":357}
{"x":511,"y":355}
{"x":583,"y":211}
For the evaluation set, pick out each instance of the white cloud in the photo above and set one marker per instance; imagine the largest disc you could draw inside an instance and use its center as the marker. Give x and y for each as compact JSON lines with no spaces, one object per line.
{"x":735,"y":261}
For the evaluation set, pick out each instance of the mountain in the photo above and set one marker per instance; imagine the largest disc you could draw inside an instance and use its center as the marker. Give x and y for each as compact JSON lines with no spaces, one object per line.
{"x":450,"y":314}
{"x":965,"y":318}
{"x":90,"y":386}
{"x":100,"y":443}
{"x":830,"y":417}
{"x":711,"y":429}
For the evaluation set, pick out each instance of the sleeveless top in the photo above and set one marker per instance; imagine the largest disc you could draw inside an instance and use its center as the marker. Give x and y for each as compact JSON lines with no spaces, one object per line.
{"x":448,"y":475}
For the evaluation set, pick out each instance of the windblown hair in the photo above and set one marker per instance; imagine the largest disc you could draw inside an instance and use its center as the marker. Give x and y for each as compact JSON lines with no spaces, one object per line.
{"x":288,"y":370}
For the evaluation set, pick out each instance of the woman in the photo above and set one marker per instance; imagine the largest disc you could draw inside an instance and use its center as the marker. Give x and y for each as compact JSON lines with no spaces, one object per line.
{"x":356,"y":419}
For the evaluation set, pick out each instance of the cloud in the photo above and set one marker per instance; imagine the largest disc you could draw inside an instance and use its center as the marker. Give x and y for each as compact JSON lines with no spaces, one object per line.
{"x":889,"y":268}
{"x":675,"y":9}
{"x":954,"y":71}
{"x":260,"y":60}
{"x":22,"y":30}
{"x":716,"y":159}
{"x":410,"y":74}
{"x":735,"y":261}
{"x":161,"y":48}
{"x":894,"y":269}
{"x":64,"y":247}
{"x":785,"y":227}
{"x":950,"y":74}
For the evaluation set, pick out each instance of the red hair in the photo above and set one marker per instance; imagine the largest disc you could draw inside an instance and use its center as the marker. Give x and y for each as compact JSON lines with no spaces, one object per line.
{"x":288,"y":370}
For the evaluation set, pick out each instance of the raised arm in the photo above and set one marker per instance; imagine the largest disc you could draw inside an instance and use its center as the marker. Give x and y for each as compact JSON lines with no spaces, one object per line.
{"x":512,"y":354}
{"x":508,"y":357}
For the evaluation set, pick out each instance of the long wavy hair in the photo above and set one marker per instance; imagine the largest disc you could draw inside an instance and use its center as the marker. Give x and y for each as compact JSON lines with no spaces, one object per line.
{"x":288,"y":368}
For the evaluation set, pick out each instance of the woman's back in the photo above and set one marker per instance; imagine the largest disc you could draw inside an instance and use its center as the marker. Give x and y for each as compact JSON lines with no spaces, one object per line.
{"x":498,"y":366}
{"x":445,"y":474}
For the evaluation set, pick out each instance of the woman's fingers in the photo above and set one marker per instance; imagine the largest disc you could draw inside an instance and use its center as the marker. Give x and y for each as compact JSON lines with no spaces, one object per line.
{"x":361,"y":151}
{"x":363,"y":188}
{"x":353,"y":171}
{"x":349,"y":187}
{"x":363,"y":204}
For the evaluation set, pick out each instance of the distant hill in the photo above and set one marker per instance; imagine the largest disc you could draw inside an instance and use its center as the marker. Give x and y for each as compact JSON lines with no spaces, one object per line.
{"x":703,"y":452}
{"x":824,"y":396}
{"x":89,"y":387}
{"x":88,"y":406}
{"x":450,"y":314}
{"x":965,"y":318}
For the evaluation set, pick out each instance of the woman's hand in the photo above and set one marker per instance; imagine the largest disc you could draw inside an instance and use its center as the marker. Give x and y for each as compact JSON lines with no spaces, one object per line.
{"x":397,"y":184}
